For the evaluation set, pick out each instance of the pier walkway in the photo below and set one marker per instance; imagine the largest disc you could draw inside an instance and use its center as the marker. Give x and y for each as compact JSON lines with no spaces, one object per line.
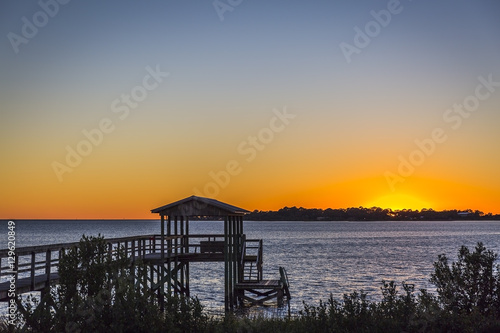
{"x":35,"y":268}
{"x":166,"y":255}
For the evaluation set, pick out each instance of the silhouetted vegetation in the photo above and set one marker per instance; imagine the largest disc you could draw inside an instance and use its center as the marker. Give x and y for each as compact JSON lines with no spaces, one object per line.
{"x":103,"y":292}
{"x":367,"y":214}
{"x":95,"y":297}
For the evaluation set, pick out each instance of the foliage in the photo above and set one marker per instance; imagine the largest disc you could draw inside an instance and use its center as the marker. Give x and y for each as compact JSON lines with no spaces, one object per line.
{"x":93,"y":297}
{"x":184,"y":314}
{"x":469,"y":289}
{"x":466,"y":301}
{"x":101,"y":291}
{"x":366,"y":214}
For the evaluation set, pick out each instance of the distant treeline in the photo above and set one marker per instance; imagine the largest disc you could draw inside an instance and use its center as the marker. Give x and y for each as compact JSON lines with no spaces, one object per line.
{"x":366,"y":214}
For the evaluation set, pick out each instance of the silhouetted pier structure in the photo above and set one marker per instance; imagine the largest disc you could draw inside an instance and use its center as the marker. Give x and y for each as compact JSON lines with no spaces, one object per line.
{"x":168,"y":256}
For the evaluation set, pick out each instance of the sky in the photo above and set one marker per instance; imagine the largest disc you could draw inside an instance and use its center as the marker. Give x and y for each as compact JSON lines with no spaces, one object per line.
{"x":110,"y":109}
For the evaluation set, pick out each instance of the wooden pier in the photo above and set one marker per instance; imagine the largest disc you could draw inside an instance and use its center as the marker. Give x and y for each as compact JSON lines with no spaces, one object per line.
{"x":168,"y":256}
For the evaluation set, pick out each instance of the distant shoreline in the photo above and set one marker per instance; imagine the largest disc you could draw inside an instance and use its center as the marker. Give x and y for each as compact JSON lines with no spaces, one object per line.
{"x":256,"y":220}
{"x":81,"y":219}
{"x":329,"y":214}
{"x":369,"y":214}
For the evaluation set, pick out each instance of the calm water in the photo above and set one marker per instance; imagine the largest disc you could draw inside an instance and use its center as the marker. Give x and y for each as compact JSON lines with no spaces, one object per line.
{"x":320,"y":257}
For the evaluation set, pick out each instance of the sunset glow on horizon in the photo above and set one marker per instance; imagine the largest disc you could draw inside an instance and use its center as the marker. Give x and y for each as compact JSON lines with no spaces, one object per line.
{"x":109,"y":110}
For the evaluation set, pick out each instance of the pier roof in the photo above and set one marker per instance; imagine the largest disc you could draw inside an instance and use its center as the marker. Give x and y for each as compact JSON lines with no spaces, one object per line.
{"x":199,"y":206}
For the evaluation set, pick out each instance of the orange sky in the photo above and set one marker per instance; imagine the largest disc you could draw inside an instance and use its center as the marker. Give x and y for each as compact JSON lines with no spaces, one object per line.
{"x":112,"y":110}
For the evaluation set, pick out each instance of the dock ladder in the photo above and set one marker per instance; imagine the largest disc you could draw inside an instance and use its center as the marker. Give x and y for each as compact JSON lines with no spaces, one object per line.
{"x":251,"y":278}
{"x":251,"y":260}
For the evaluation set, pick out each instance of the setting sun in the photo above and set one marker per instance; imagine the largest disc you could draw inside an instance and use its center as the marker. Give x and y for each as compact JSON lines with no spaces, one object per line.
{"x":399,"y":201}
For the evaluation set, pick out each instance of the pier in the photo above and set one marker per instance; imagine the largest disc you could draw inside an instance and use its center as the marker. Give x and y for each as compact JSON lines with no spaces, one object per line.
{"x":168,"y":256}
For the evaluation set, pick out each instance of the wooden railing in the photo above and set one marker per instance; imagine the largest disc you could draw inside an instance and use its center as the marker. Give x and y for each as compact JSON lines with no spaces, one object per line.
{"x":33,"y":263}
{"x":252,"y":248}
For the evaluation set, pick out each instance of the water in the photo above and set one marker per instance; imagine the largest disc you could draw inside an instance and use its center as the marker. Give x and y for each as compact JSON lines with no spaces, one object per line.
{"x":320,"y":257}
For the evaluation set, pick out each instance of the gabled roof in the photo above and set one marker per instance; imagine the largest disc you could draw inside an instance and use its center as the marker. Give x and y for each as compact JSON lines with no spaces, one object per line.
{"x":199,"y":206}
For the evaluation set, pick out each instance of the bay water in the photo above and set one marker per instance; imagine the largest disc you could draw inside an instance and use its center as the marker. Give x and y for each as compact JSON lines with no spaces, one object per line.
{"x":321,"y":258}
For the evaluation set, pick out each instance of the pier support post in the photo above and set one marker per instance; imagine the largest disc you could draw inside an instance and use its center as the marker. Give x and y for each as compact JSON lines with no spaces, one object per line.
{"x":226,"y":264}
{"x":233,"y":229}
{"x":177,"y":254}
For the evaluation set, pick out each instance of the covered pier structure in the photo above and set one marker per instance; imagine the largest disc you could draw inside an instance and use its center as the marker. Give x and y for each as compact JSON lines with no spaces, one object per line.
{"x":242,"y":257}
{"x":168,"y":256}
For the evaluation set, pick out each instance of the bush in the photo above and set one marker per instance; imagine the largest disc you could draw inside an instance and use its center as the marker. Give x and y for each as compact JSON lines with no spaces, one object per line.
{"x":467,"y":301}
{"x":471,"y":284}
{"x":98,"y":292}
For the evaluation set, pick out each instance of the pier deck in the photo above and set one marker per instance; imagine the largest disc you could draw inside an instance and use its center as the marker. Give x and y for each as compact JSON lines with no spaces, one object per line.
{"x":167,"y":256}
{"x":35,"y":268}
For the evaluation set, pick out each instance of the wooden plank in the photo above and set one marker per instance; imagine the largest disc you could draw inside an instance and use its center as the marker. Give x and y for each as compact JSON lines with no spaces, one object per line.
{"x":32,"y":277}
{"x":42,"y":248}
{"x":47,"y":265}
{"x":212,"y":246}
{"x":262,"y":284}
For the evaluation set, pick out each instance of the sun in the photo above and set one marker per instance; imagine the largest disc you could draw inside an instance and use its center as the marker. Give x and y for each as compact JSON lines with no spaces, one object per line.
{"x":399,"y":201}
